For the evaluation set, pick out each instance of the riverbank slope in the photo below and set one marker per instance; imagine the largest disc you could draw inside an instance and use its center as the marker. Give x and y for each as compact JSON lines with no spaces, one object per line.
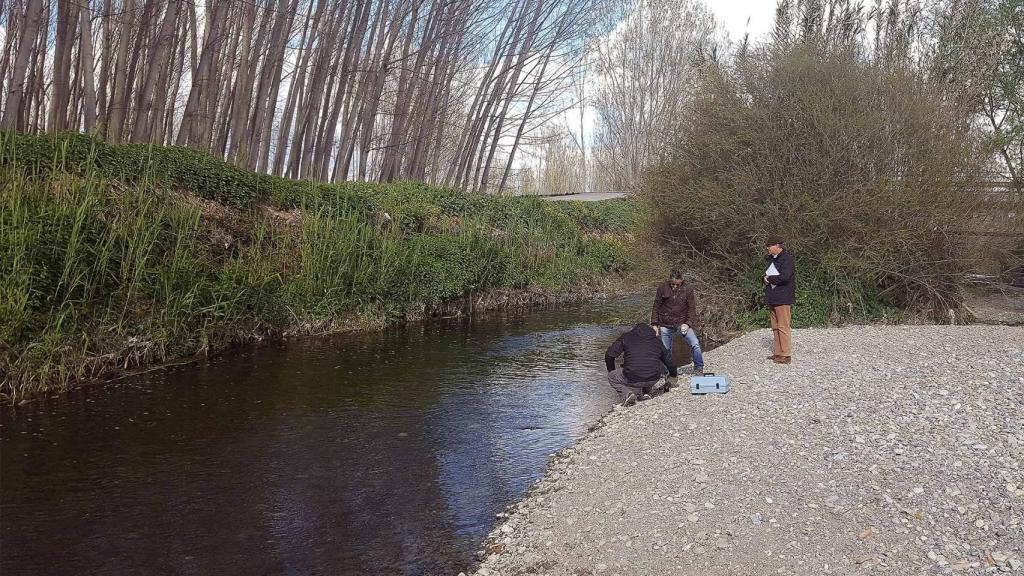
{"x":882,"y":449}
{"x":120,"y":256}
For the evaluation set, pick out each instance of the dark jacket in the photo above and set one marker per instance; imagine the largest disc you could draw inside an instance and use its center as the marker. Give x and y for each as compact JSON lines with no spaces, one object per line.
{"x":781,"y":288}
{"x":646,"y":358}
{"x":674,"y":307}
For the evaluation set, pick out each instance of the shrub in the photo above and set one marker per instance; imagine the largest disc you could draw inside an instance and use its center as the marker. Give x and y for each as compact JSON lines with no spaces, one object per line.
{"x":865,"y":170}
{"x":620,"y":215}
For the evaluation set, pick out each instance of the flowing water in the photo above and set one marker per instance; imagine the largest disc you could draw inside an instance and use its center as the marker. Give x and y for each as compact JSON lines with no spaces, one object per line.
{"x":376,"y":453}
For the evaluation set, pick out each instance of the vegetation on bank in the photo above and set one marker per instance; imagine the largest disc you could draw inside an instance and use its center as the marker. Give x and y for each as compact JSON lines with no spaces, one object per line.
{"x":867,"y":169}
{"x":120,"y":255}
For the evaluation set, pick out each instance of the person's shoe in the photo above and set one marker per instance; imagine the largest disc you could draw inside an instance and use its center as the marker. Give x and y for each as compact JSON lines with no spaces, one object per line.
{"x":629,"y":400}
{"x":645,"y":397}
{"x":699,"y":370}
{"x":772,"y":357}
{"x":783,"y":360}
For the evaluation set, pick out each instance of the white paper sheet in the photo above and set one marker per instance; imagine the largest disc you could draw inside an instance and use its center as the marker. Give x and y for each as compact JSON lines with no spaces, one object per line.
{"x":772,"y":271}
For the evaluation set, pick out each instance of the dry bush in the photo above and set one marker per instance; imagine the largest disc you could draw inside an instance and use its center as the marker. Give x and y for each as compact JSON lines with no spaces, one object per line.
{"x":866,"y":170}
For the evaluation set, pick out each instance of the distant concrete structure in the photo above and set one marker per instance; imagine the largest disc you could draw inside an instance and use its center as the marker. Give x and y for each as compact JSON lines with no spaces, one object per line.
{"x":588,"y":196}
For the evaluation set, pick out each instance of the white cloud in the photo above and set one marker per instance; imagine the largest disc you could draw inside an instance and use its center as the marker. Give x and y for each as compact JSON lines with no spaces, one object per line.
{"x":739,"y":17}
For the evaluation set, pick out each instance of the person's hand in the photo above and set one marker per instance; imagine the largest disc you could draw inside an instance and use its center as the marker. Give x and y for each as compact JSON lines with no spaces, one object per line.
{"x":684,"y":328}
{"x":766,"y":280}
{"x":657,"y":330}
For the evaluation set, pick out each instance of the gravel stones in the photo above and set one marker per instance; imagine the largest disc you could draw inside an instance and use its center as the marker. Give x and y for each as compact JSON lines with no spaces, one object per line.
{"x":880,"y":450}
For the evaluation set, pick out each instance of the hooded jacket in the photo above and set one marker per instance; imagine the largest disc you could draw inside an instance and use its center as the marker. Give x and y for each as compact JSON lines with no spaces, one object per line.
{"x":646,"y":358}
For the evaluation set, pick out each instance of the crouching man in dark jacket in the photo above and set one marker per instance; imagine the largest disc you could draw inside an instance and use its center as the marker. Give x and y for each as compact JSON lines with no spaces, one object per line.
{"x":645,"y":363}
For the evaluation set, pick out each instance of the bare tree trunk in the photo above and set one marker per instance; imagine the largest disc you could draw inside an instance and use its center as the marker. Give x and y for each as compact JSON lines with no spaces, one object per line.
{"x":526,"y":118}
{"x":86,"y":58}
{"x":106,"y":55}
{"x":297,"y":91}
{"x":173,"y":89}
{"x":377,"y":89}
{"x":435,"y":91}
{"x":406,"y":84}
{"x":323,"y":131}
{"x":270,"y":84}
{"x":350,"y":128}
{"x":327,"y":133}
{"x":156,"y":78}
{"x":242,"y":90}
{"x":16,"y":92}
{"x":196,"y":111}
{"x":484,"y":121}
{"x":214,"y":104}
{"x":462,"y":154}
{"x":139,"y":67}
{"x":297,"y":84}
{"x":446,"y":104}
{"x":222,"y":106}
{"x":421,"y":131}
{"x":193,"y":36}
{"x":34,"y":117}
{"x":61,"y":101}
{"x":12,"y":17}
{"x":373,"y":97}
{"x":119,"y":95}
{"x":528,"y":42}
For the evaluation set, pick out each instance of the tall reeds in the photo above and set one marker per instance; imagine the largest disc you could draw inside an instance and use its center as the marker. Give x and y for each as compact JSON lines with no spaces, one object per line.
{"x":102,"y":271}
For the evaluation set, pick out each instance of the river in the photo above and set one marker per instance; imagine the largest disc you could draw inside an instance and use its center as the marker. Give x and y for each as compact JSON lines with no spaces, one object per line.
{"x":374,"y":453}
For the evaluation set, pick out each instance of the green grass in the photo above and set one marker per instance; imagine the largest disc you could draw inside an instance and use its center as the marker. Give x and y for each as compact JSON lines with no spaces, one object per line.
{"x":108,"y":257}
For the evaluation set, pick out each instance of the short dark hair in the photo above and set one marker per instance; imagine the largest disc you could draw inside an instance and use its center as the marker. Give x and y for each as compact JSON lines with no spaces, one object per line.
{"x":773,"y":240}
{"x":675,"y":274}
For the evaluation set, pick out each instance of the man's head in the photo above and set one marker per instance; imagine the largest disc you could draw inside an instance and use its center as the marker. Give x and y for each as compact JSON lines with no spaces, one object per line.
{"x":774,"y":245}
{"x":675,"y":278}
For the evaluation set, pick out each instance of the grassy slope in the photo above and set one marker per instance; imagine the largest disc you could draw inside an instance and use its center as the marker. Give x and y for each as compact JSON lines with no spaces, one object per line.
{"x":115,"y":256}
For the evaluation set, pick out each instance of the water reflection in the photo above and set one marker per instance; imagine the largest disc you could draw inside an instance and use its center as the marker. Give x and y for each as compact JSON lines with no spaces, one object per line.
{"x":378,"y":453}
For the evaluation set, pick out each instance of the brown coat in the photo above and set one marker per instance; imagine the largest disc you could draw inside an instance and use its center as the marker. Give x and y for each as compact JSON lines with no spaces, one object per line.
{"x":674,"y":307}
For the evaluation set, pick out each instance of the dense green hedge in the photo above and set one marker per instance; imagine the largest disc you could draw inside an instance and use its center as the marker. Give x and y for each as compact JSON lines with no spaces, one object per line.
{"x":184,"y":168}
{"x":619,"y":215}
{"x":100,"y":266}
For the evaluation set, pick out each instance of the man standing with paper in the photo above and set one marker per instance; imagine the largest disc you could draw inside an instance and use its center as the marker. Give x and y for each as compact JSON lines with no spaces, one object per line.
{"x":779,"y":295}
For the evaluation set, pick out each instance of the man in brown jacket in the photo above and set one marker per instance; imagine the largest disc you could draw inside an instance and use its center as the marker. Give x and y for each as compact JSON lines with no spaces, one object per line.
{"x":675,"y":310}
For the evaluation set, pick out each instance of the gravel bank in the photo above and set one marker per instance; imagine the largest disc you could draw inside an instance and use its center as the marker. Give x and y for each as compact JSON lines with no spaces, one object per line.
{"x":881,"y":450}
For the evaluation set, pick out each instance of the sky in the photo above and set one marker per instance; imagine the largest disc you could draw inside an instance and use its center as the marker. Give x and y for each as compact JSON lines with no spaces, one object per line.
{"x":733,"y":16}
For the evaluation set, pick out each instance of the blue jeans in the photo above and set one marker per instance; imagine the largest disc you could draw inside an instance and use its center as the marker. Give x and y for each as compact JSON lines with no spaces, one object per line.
{"x":668,"y":334}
